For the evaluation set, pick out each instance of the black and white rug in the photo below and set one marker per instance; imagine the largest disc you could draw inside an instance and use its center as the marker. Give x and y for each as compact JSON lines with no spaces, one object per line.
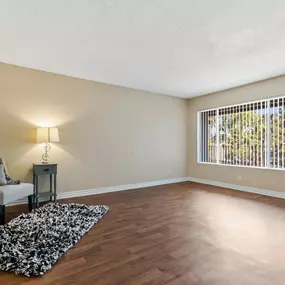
{"x":32,"y":243}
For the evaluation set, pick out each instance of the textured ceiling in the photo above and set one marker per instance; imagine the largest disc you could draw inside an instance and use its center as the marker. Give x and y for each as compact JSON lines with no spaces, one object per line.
{"x":177,"y":47}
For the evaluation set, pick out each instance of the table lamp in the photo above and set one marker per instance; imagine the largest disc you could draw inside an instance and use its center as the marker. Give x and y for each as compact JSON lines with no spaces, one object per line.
{"x":47,"y":135}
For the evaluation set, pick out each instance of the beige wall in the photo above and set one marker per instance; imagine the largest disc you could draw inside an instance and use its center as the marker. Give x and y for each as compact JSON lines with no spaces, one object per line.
{"x":112,"y":135}
{"x":109,"y":135}
{"x":266,"y":179}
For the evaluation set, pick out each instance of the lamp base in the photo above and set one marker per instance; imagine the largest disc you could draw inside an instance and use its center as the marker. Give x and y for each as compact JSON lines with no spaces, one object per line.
{"x":45,"y":156}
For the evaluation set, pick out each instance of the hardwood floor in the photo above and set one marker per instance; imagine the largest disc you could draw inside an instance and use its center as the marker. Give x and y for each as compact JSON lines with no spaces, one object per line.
{"x":184,"y":233}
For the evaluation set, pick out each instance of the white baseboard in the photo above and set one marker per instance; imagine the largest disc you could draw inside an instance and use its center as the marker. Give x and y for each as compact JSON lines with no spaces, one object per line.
{"x":264,"y":192}
{"x":120,"y":188}
{"x":109,"y":189}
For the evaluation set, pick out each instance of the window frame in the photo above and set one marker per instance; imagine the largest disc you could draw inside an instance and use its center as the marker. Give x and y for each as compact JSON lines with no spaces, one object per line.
{"x":199,"y":136}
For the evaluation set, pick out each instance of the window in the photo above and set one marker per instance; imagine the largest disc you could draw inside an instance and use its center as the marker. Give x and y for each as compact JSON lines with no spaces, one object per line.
{"x":250,"y":134}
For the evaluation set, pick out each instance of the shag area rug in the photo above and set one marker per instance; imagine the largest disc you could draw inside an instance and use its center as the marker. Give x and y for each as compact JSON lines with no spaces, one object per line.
{"x":32,"y":243}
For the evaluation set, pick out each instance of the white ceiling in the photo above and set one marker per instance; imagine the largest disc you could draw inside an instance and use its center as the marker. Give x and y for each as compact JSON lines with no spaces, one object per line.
{"x":182,"y":48}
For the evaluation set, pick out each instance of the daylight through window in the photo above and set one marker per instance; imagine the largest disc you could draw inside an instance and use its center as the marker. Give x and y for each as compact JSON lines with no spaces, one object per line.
{"x":249,"y":134}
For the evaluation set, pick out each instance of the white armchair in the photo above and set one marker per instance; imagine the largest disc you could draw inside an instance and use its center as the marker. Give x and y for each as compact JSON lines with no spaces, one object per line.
{"x":10,"y":193}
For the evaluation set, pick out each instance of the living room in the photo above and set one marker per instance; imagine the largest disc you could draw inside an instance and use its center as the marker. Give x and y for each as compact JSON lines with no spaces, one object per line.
{"x":142,"y":142}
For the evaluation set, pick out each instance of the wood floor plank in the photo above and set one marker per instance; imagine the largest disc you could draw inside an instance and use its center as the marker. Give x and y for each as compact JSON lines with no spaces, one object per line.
{"x":184,"y":233}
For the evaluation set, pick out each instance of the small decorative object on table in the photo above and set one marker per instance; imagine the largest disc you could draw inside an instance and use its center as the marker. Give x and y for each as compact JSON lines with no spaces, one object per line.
{"x":46,"y":135}
{"x":45,"y":169}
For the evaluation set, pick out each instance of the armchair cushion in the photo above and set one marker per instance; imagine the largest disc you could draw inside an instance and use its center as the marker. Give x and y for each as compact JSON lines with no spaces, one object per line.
{"x":3,"y":180}
{"x":11,"y":193}
{"x":9,"y":179}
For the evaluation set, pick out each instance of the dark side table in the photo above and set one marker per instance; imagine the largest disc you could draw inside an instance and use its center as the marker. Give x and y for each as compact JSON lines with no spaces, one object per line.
{"x":40,"y":169}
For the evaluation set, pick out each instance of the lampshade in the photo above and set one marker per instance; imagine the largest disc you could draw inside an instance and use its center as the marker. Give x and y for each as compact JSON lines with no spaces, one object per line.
{"x":45,"y":135}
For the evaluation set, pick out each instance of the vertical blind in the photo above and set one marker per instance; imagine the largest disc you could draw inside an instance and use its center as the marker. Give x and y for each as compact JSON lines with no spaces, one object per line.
{"x":250,"y":134}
